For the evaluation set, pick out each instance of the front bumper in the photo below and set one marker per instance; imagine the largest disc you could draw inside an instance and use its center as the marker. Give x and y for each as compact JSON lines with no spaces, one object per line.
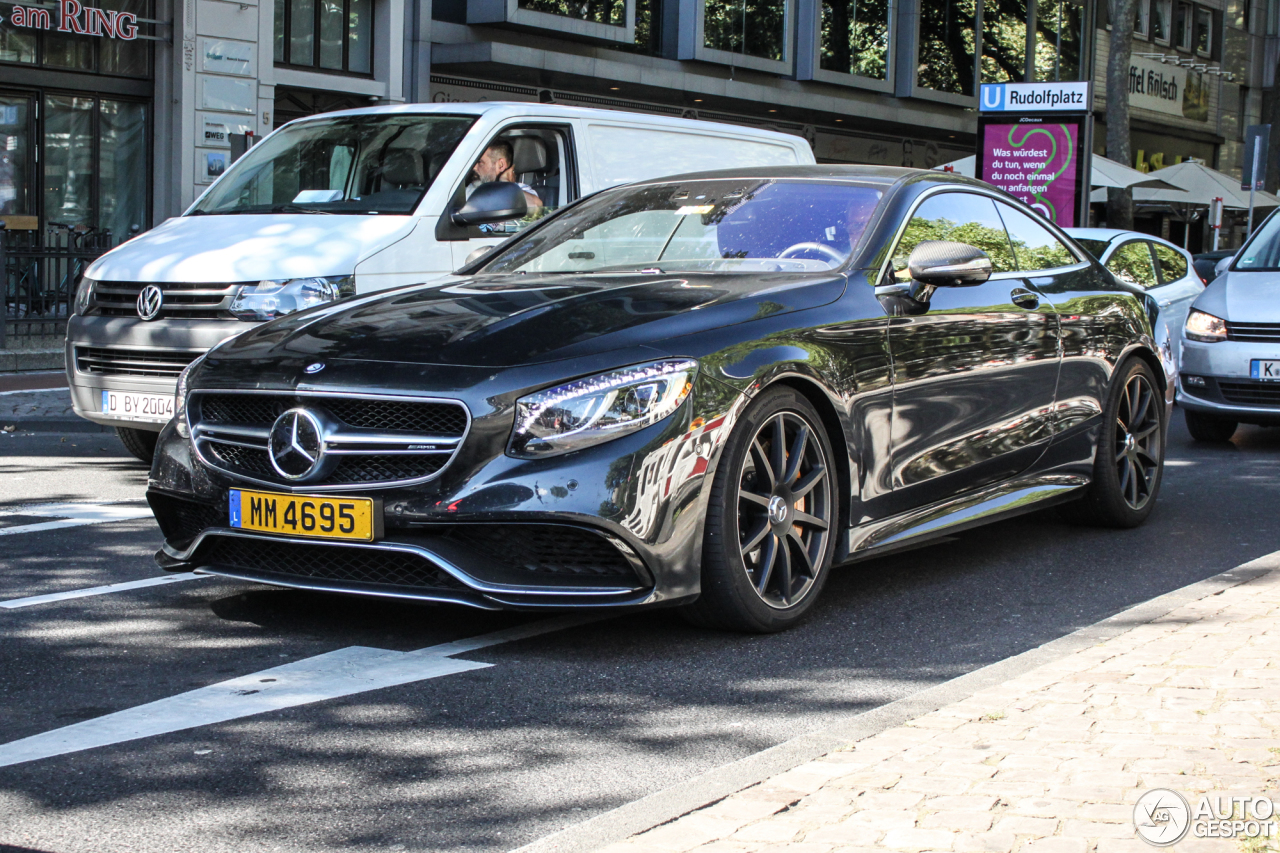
{"x":171,"y":342}
{"x":1228,"y":390}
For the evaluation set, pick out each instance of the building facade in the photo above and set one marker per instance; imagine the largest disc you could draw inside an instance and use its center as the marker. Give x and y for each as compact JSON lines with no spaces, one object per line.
{"x":116,"y":117}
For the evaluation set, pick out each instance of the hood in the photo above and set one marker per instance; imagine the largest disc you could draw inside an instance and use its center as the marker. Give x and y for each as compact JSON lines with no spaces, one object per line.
{"x":502,"y":321}
{"x":1243,"y":297}
{"x":249,"y":247}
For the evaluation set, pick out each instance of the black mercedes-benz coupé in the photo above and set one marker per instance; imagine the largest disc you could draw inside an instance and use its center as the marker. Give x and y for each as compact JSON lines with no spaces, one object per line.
{"x":702,"y":391}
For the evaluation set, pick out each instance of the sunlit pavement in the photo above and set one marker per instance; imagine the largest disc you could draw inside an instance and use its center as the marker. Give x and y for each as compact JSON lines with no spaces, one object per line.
{"x":367,"y":725}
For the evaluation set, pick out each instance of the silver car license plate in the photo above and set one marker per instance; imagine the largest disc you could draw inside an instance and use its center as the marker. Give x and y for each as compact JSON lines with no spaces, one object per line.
{"x":157,"y":408}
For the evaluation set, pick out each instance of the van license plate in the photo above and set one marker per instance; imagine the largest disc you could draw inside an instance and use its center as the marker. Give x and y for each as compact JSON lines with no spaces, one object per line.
{"x":1265,"y":369}
{"x":138,"y":407}
{"x":303,"y":515}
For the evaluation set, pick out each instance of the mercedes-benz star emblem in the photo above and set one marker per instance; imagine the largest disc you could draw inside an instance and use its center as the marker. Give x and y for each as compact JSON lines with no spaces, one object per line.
{"x":314,"y":368}
{"x":296,"y":444}
{"x":150,"y":301}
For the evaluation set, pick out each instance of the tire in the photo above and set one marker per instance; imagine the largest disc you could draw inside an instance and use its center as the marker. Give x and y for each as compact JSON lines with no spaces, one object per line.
{"x":773,"y":582}
{"x":140,"y":442}
{"x":1129,"y":462}
{"x":1209,"y":428}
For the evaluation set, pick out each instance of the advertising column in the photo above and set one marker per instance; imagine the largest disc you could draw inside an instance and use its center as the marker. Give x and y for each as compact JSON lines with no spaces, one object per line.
{"x":1034,"y":142}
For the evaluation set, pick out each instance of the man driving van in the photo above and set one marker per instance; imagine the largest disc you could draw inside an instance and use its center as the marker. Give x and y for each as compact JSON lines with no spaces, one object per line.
{"x":497,"y":164}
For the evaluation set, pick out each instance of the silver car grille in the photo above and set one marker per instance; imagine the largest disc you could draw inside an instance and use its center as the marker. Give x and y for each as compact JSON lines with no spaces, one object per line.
{"x":1254,"y":333}
{"x":182,"y":300}
{"x":368,"y":441}
{"x":121,"y":361}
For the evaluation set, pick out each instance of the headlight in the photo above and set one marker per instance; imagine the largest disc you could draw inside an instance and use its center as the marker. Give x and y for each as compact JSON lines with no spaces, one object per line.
{"x":1205,"y":327}
{"x":591,"y":411}
{"x":268,"y":300}
{"x":180,"y":398}
{"x":84,"y":293}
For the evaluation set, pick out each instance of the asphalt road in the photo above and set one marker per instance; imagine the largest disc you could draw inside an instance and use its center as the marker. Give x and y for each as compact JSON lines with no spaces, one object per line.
{"x":434,"y":751}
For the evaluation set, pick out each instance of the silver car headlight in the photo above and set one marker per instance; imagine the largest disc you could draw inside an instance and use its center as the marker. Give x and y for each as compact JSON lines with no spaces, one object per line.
{"x":600,"y":408}
{"x":1205,"y":327}
{"x":180,"y":397}
{"x":268,"y":300}
{"x":84,"y":295}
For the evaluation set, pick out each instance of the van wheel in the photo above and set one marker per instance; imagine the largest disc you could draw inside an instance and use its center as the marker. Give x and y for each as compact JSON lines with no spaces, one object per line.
{"x":1209,"y":428}
{"x":771,"y":519}
{"x":140,"y":442}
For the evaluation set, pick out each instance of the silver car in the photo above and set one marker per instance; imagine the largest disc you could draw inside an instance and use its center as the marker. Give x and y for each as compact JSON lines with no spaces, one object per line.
{"x":1231,"y":344}
{"x":1164,"y":270}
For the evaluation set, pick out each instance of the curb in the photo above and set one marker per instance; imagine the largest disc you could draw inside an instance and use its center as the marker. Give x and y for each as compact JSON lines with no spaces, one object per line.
{"x":63,"y":425}
{"x":664,"y":806}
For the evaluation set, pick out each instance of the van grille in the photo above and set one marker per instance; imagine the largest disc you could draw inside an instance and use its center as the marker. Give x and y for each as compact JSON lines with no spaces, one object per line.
{"x":182,"y":300}
{"x":115,"y":361}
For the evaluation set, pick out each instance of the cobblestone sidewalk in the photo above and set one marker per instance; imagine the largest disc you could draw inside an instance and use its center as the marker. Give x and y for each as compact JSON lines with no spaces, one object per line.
{"x":54,"y":403}
{"x":1053,"y":760}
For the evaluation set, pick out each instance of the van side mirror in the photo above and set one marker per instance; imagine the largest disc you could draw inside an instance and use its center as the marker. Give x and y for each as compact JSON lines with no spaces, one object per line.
{"x":496,"y":201}
{"x":945,"y":263}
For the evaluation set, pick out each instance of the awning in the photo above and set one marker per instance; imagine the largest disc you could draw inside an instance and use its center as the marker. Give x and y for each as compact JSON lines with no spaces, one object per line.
{"x":1199,"y":186}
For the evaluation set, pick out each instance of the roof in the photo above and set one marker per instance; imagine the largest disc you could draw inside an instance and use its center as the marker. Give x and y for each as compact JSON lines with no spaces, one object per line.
{"x":1109,"y":234}
{"x":884,"y":175}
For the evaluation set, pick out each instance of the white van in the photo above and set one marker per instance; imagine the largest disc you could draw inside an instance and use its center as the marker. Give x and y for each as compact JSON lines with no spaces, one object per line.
{"x":351,"y":202}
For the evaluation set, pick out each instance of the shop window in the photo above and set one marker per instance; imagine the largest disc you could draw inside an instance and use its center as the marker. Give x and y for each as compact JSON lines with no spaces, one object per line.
{"x":1202,"y":31}
{"x":743,"y":33}
{"x":1059,"y":40}
{"x":1182,"y":26}
{"x":599,"y":20}
{"x":98,"y":53}
{"x":1141,"y":19}
{"x":946,"y":46}
{"x":328,"y":35}
{"x":16,"y":45}
{"x":15,"y":156}
{"x":1004,"y":41}
{"x":1161,"y":20}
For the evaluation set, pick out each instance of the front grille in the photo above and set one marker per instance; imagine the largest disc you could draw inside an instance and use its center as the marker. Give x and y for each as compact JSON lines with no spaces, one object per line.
{"x":114,"y":361}
{"x":370,"y":441}
{"x":1254,"y":333}
{"x":181,"y":521}
{"x":326,"y":562}
{"x":546,"y":549}
{"x":1251,"y":393}
{"x":185,"y":300}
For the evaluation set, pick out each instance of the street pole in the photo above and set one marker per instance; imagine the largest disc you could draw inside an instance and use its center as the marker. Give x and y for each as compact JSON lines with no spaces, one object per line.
{"x":1253,"y":180}
{"x":1215,"y":221}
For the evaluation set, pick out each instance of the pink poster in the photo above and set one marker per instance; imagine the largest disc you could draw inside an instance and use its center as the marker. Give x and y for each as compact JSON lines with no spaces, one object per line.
{"x":1035,"y":163}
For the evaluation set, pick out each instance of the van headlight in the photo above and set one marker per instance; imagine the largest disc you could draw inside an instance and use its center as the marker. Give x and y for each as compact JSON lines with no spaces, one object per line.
{"x":600,"y":408}
{"x":84,"y":295}
{"x":1205,"y":327}
{"x":180,"y":398}
{"x":268,"y":300}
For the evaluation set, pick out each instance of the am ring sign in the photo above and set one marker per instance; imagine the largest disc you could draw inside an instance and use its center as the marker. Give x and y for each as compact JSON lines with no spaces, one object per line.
{"x":73,"y":17}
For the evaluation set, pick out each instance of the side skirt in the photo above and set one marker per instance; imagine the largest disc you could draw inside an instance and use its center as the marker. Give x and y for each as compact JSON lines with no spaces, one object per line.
{"x":922,"y":526}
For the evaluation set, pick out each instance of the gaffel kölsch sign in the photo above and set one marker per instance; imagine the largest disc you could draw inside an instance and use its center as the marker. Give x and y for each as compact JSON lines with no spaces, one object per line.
{"x":73,"y":17}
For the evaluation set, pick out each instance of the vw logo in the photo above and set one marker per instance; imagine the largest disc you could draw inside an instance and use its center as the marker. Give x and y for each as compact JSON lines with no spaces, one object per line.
{"x":296,"y":444}
{"x":314,"y":368}
{"x":150,"y":300}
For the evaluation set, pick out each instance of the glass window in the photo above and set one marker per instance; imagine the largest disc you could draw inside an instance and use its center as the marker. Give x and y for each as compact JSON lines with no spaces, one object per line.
{"x":750,"y":27}
{"x":946,"y":46}
{"x":1034,"y":246}
{"x":1172,"y":263}
{"x":1182,"y":26}
{"x":1162,"y":20}
{"x":360,"y":36}
{"x":1004,"y":41}
{"x":335,"y":35}
{"x":354,"y":164}
{"x":536,"y":158}
{"x":701,"y":226}
{"x":302,"y":32}
{"x":68,"y":159}
{"x":612,"y":12}
{"x":331,"y":29}
{"x":126,"y":58}
{"x":278,"y":40}
{"x":1059,"y":37}
{"x":15,"y":155}
{"x":962,"y":217}
{"x":16,"y":45}
{"x":855,"y":37}
{"x":1141,"y":19}
{"x":68,"y":50}
{"x":1132,"y":263}
{"x":1097,"y":248}
{"x":122,"y":174}
{"x":1202,"y":35}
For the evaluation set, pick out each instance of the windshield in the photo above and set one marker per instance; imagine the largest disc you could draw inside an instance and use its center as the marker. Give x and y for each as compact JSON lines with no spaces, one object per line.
{"x":1097,"y":248}
{"x":1263,"y":251}
{"x":347,"y":164}
{"x":700,"y":226}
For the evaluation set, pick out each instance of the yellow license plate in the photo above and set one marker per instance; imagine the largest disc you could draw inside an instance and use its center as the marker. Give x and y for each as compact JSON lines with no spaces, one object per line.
{"x":305,"y":515}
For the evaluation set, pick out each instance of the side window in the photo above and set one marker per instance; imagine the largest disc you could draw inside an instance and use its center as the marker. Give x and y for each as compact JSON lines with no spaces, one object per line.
{"x":1132,"y":263}
{"x":962,"y":217}
{"x":535,"y":157}
{"x":1173,"y":265}
{"x":1034,"y":246}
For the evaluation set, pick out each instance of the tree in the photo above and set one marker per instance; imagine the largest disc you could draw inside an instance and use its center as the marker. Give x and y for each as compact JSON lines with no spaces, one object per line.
{"x":1121,"y":14}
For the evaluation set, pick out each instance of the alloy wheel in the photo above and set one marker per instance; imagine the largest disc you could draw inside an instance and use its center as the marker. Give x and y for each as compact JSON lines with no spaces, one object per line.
{"x":1137,"y":446}
{"x":784,"y":510}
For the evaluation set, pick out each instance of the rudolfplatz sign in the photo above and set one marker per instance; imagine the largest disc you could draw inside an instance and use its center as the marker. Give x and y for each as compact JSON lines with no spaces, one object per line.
{"x":1034,"y":143}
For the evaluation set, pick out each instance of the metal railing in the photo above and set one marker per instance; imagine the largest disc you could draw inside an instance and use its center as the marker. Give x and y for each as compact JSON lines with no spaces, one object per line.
{"x":41,"y":272}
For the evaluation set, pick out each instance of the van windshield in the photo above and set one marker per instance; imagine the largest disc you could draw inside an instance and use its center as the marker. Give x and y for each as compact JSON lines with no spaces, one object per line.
{"x":346,"y":164}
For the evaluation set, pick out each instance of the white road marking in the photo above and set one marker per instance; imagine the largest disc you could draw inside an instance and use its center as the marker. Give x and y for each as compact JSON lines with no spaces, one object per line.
{"x":72,"y":515}
{"x":344,"y":672}
{"x":87,"y":592}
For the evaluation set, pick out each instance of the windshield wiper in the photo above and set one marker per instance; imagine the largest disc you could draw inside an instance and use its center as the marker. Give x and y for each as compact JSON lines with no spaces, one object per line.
{"x":297,"y":208}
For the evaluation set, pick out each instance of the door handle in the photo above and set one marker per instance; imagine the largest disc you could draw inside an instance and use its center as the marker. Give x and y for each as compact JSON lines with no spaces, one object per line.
{"x":1024,"y":298}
